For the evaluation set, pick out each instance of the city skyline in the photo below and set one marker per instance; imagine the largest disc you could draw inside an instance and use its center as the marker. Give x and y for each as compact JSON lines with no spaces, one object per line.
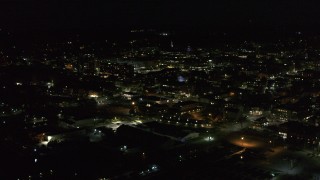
{"x":159,"y":89}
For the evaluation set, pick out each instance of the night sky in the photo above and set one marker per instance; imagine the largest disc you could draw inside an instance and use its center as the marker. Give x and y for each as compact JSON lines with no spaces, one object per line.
{"x":235,"y":15}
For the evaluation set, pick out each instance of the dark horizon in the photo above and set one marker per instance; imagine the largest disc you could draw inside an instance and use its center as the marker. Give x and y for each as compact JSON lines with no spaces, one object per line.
{"x":112,"y":16}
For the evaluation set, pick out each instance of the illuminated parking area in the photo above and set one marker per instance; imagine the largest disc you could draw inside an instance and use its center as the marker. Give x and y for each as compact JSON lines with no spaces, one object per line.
{"x":248,"y":141}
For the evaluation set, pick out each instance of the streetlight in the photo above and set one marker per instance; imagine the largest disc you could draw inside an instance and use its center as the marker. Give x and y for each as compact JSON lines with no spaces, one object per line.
{"x":242,"y":138}
{"x":271,"y":142}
